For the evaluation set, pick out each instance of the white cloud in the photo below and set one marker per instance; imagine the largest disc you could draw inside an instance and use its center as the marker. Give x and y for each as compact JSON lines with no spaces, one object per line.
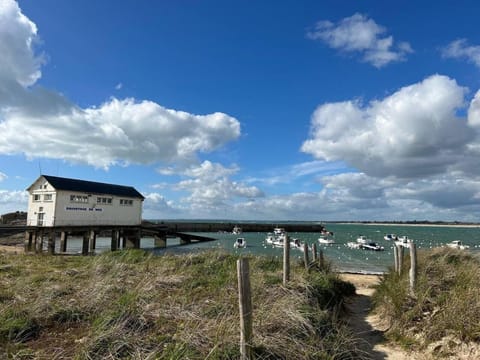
{"x":459,"y":49}
{"x":13,"y":201}
{"x":413,"y":132}
{"x":118,"y":132}
{"x":3,"y":176}
{"x":358,"y":33}
{"x":118,"y":86}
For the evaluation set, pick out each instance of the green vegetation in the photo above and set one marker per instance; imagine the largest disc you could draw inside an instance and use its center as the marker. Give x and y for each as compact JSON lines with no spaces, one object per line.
{"x":445,"y":306}
{"x":132,"y":305}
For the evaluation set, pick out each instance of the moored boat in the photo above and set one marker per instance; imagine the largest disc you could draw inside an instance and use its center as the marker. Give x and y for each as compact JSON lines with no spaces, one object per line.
{"x":323,"y":239}
{"x":390,"y":237}
{"x":457,"y":244}
{"x":240,"y":243}
{"x":237,"y":230}
{"x":404,"y":241}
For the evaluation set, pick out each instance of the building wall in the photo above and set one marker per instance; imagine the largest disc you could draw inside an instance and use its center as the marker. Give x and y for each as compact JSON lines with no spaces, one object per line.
{"x":84,"y":209}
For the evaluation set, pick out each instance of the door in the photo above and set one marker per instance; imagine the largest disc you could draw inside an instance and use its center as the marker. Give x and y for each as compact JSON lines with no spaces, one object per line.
{"x":40,"y":219}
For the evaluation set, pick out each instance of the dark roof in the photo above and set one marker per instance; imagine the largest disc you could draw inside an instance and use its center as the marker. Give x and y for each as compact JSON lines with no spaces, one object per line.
{"x":60,"y":183}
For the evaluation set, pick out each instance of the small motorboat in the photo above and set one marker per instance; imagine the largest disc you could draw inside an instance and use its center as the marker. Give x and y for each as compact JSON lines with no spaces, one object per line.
{"x":325,"y":240}
{"x":296,"y":244}
{"x":403,"y":241}
{"x":270,"y":239}
{"x":362,"y":239}
{"x":353,"y":245}
{"x":390,"y":237}
{"x":371,"y":245}
{"x":237,"y":230}
{"x":457,"y":244}
{"x":240,"y":243}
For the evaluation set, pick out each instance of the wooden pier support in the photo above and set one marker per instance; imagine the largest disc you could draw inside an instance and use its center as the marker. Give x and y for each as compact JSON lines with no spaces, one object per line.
{"x":160,"y":241}
{"x":114,"y":242}
{"x":39,"y":241}
{"x":85,"y":243}
{"x":63,"y":241}
{"x":314,"y":253}
{"x":92,"y":241}
{"x":132,"y":240}
{"x":28,"y":241}
{"x":51,"y":242}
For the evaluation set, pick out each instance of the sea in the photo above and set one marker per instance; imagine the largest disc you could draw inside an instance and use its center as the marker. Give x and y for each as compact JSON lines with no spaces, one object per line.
{"x":342,"y":258}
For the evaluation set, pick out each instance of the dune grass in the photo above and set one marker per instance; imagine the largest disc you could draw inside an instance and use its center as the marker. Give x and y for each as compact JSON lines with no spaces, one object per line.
{"x":133,"y":305}
{"x":446,"y":302}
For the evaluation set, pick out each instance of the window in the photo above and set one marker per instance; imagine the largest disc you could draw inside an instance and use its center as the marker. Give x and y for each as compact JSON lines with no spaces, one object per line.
{"x":48,"y":197}
{"x":40,"y":209}
{"x":126,"y":202}
{"x":79,"y":198}
{"x":104,"y":200}
{"x":36,"y":197}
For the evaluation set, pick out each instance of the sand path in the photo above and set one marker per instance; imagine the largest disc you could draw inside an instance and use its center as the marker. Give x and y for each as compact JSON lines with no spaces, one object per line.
{"x":366,"y":326}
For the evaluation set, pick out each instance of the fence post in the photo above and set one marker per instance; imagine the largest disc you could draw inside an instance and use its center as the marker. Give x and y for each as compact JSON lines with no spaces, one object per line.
{"x":286,"y":260}
{"x":314,"y":252}
{"x":400,"y":259}
{"x":305,"y":255}
{"x":413,"y":267}
{"x":321,"y":259}
{"x":395,"y":257}
{"x":245,"y":305}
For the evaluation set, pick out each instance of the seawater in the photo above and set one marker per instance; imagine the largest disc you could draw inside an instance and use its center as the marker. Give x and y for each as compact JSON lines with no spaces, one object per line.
{"x":342,"y":257}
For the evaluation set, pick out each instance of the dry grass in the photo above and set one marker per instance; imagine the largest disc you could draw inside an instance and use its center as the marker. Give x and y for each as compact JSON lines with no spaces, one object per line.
{"x":132,"y":305}
{"x":446,"y":305}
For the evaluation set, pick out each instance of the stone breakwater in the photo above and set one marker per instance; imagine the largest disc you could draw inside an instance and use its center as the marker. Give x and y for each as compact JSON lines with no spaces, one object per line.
{"x":246,"y":227}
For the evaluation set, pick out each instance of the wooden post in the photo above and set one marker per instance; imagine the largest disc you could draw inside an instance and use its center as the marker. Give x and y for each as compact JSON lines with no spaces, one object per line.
{"x":114,"y":241}
{"x":63,"y":241}
{"x":314,"y":252}
{"x":305,"y":255}
{"x":321,"y":259}
{"x":160,"y":241}
{"x":28,"y":241}
{"x":245,"y":305}
{"x":413,"y":267}
{"x":400,"y":259}
{"x":85,"y":243}
{"x":92,"y":239}
{"x":51,"y":242}
{"x":286,"y":260}
{"x":395,"y":258}
{"x":39,"y":238}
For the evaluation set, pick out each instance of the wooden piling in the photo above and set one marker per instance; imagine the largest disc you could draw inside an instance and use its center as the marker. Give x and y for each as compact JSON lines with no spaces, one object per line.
{"x":28,"y":241}
{"x":286,"y":260}
{"x":85,"y":243}
{"x":92,"y":239}
{"x":51,"y":242}
{"x":245,"y":306}
{"x":413,"y":267}
{"x":314,"y":252}
{"x":305,"y":256}
{"x":63,"y":241}
{"x":401,"y":253}
{"x":114,"y":241}
{"x":39,"y":241}
{"x":395,"y":258}
{"x":321,"y":260}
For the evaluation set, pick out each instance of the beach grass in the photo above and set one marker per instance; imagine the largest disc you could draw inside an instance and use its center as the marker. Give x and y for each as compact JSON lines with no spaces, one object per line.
{"x":445,"y":306}
{"x":134,"y":305}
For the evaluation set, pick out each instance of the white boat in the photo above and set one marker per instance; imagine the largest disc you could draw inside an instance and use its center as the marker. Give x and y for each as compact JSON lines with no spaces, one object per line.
{"x":240,"y":243}
{"x":353,"y":245}
{"x":325,"y":240}
{"x":390,"y":237}
{"x":237,"y":230}
{"x":362,"y":239}
{"x":296,"y":244}
{"x":457,"y":244}
{"x":278,"y":231}
{"x":403,"y":241}
{"x":371,"y":245}
{"x":270,"y":239}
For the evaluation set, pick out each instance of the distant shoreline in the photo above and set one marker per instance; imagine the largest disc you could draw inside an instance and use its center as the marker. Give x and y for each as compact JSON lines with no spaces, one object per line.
{"x":408,"y":224}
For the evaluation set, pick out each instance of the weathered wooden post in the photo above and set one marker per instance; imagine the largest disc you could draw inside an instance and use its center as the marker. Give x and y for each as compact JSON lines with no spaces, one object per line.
{"x":39,"y":241}
{"x":114,"y":241}
{"x":321,"y":260}
{"x":63,"y":241}
{"x":245,"y":306}
{"x":305,"y":255}
{"x":85,"y":243}
{"x":314,"y":252}
{"x":413,"y":267}
{"x":92,"y":239}
{"x":400,"y":259}
{"x":395,"y":258}
{"x":51,"y":242}
{"x":286,"y":260}
{"x":28,"y":241}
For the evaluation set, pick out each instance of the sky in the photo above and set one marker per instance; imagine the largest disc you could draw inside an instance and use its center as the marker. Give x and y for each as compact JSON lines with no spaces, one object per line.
{"x":247,"y":110}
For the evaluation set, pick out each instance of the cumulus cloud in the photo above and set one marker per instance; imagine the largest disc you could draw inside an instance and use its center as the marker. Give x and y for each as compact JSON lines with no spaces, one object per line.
{"x":459,"y":49}
{"x":359,"y":34}
{"x":3,"y":176}
{"x":13,"y":201}
{"x":120,"y":131}
{"x":413,"y":132}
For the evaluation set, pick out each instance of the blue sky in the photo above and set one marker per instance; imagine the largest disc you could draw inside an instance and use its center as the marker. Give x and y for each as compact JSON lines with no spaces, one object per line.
{"x":265,"y":110}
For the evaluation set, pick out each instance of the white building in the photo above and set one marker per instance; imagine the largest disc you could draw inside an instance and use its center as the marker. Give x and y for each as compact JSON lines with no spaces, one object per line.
{"x":56,"y":201}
